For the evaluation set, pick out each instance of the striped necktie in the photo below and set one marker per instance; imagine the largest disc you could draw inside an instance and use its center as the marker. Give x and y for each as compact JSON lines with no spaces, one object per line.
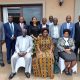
{"x":12,"y":30}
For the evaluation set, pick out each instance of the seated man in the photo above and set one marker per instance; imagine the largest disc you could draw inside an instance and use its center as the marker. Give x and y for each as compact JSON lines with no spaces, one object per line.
{"x":23,"y":48}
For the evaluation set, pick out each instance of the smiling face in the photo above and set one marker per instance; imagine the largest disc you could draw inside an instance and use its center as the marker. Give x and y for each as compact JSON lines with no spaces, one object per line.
{"x":66,"y":34}
{"x":55,"y":21}
{"x":21,"y":19}
{"x":51,"y":18}
{"x":45,"y":33}
{"x":68,"y":19}
{"x":10,"y":19}
{"x":34,"y":20}
{"x":44,"y":20}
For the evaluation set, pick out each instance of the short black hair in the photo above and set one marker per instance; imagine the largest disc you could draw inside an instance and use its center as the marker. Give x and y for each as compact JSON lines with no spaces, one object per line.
{"x":67,"y":30}
{"x":44,"y":30}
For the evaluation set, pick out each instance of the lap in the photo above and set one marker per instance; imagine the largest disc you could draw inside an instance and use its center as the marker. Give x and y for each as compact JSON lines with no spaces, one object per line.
{"x":15,"y":55}
{"x":68,"y":57}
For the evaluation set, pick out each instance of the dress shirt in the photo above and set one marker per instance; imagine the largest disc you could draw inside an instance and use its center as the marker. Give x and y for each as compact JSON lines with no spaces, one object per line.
{"x":50,"y":23}
{"x":43,"y":26}
{"x":12,"y":28}
{"x":68,"y":25}
{"x":22,"y":25}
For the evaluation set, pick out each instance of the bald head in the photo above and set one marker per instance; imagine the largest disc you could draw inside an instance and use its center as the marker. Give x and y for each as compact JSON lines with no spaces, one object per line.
{"x":21,"y":19}
{"x":24,"y":32}
{"x":44,"y":20}
{"x":55,"y":21}
{"x":68,"y":19}
{"x":51,"y":18}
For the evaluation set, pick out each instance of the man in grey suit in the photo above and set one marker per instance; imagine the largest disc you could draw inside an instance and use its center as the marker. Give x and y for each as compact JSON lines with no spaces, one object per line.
{"x":2,"y":39}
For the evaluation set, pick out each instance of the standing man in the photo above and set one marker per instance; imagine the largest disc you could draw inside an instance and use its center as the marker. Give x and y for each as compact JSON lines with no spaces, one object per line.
{"x":22,"y":25}
{"x":51,"y":21}
{"x":23,"y":48}
{"x":54,"y":32}
{"x":10,"y":37}
{"x":77,"y":36}
{"x":2,"y":39}
{"x":44,"y":24}
{"x":68,"y":25}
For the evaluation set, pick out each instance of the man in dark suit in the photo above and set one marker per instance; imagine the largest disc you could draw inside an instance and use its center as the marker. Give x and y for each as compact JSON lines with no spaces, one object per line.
{"x":10,"y":29}
{"x":22,"y":25}
{"x":77,"y":36}
{"x":44,"y":24}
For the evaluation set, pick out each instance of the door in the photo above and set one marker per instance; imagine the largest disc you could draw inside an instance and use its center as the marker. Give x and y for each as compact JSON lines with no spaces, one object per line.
{"x":27,"y":11}
{"x":30,"y":11}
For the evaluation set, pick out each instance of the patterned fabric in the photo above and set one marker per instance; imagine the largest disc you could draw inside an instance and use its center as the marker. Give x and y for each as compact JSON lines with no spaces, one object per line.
{"x":44,"y":44}
{"x":43,"y":64}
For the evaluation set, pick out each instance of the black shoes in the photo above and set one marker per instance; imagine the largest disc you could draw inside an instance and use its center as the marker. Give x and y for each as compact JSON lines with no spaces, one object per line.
{"x":9,"y":62}
{"x":12,"y":75}
{"x":68,"y":72}
{"x":2,"y":64}
{"x":27,"y":74}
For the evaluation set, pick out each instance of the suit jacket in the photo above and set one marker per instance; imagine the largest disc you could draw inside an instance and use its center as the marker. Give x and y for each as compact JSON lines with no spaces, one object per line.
{"x":61,"y":44}
{"x":77,"y":32}
{"x":8,"y":33}
{"x":72,"y":29}
{"x":19,"y":33}
{"x":2,"y":34}
{"x":47,"y":26}
{"x":27,"y":44}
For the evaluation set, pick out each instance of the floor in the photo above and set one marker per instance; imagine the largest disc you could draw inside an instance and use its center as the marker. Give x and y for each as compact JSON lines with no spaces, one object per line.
{"x":5,"y":71}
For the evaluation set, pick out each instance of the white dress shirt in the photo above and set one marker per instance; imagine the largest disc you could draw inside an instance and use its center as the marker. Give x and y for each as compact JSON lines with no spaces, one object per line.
{"x":43,"y":26}
{"x":24,"y":44}
{"x":22,"y":25}
{"x":50,"y":23}
{"x":68,"y":25}
{"x":66,"y":41}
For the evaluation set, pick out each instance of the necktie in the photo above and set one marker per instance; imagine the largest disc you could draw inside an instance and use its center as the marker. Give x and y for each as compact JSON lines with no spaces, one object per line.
{"x":12,"y":29}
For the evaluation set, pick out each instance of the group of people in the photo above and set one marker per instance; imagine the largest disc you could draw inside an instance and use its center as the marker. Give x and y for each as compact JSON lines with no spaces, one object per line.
{"x":49,"y":39}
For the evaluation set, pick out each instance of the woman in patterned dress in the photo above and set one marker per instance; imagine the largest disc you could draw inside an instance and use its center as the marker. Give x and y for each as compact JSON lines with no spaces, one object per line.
{"x":44,"y":55}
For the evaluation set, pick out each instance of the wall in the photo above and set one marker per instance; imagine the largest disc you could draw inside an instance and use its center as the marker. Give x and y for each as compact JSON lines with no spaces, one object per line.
{"x":50,"y":7}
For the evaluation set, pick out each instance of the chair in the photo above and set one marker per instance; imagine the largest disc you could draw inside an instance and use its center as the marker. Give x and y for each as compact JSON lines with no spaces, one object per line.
{"x":20,"y":63}
{"x":62,"y":65}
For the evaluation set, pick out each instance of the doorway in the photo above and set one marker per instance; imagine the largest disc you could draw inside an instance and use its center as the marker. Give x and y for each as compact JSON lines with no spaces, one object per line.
{"x":27,"y":12}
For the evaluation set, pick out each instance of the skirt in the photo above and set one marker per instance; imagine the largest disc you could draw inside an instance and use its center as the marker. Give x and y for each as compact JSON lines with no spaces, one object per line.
{"x":43,"y":65}
{"x":68,"y":57}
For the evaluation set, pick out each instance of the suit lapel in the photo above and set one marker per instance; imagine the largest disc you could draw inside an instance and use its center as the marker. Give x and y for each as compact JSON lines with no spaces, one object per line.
{"x":8,"y":27}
